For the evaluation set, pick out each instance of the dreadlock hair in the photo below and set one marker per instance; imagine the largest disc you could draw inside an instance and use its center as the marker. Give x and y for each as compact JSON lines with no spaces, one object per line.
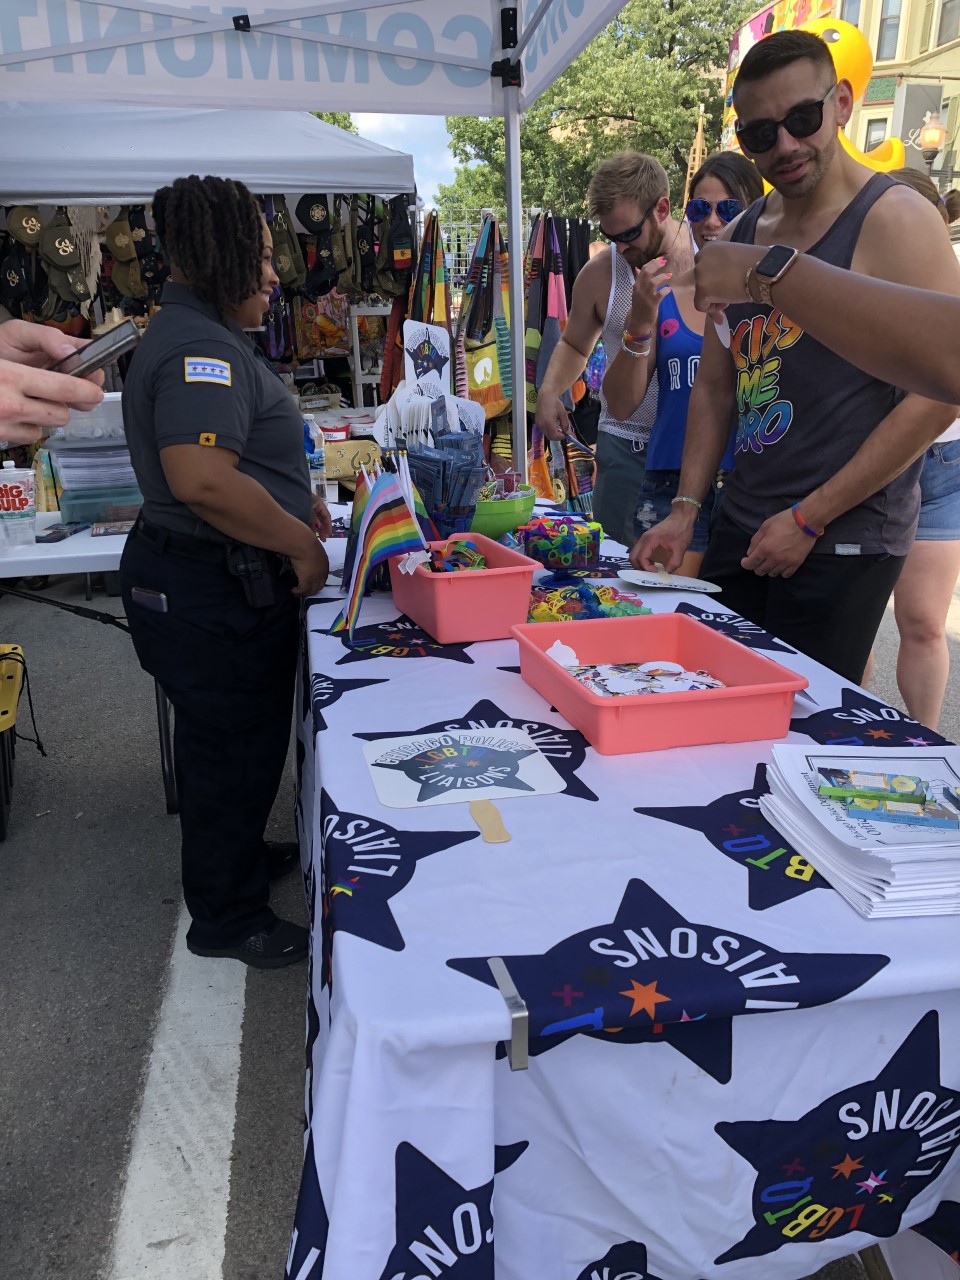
{"x":212,"y":229}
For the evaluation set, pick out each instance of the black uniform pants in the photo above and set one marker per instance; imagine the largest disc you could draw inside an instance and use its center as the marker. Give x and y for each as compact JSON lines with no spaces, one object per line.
{"x":229,"y":671}
{"x":830,"y":609}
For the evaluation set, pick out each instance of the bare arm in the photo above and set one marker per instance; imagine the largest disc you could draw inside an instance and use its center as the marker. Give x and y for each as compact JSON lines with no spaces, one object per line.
{"x":627,"y":378}
{"x":569,"y":359}
{"x":883,"y":328}
{"x":208,"y":482}
{"x":712,"y":409}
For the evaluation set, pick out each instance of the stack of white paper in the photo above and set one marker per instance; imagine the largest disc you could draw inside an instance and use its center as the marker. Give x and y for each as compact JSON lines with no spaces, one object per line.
{"x":881,"y":868}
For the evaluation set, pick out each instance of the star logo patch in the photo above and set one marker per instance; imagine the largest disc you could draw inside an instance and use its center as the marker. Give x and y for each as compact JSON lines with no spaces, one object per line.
{"x":857,"y":1160}
{"x":862,"y":721}
{"x":735,"y":827}
{"x":326,"y":690}
{"x":438,"y":1219}
{"x":736,"y":627}
{"x":566,"y":749}
{"x":366,"y":863}
{"x":651,"y":975}
{"x":398,"y":638}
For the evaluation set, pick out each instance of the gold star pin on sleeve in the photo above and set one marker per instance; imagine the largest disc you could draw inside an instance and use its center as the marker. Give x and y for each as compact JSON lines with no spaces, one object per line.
{"x":208,"y":438}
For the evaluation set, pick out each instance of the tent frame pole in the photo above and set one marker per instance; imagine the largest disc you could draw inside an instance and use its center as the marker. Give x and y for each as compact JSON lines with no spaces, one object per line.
{"x":511,"y":129}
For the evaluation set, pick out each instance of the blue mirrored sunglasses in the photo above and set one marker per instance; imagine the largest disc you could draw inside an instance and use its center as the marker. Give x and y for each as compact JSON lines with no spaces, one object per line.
{"x":727,"y":210}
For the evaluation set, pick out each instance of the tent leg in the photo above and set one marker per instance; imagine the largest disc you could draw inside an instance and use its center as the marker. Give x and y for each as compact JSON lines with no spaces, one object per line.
{"x":511,"y":127}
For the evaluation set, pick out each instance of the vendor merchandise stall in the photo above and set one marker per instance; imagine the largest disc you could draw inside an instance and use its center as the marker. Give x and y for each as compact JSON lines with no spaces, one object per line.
{"x":731,"y":1073}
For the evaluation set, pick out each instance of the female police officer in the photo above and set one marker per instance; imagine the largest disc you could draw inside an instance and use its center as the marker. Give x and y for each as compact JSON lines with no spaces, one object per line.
{"x":223,"y":547}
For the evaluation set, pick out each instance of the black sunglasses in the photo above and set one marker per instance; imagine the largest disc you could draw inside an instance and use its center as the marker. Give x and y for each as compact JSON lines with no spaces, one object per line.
{"x":625,"y":237}
{"x":727,"y":210}
{"x":799,"y":122}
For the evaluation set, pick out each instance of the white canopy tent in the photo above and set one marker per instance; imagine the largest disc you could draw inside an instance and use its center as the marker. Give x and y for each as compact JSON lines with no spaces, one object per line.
{"x":435,"y":57}
{"x":95,"y":155}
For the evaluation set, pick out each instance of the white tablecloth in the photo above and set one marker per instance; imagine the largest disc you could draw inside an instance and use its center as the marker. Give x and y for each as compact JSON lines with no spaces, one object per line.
{"x":644,"y":912}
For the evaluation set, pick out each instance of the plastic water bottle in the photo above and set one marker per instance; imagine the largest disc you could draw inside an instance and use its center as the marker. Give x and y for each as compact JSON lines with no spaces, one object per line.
{"x":317,"y":459}
{"x":18,"y":506}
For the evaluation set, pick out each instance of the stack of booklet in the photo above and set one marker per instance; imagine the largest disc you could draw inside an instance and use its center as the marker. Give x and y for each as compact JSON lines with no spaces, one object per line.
{"x":882,"y":827}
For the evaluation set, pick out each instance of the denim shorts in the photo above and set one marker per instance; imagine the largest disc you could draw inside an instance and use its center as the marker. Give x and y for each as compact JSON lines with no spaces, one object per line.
{"x":654,"y":504}
{"x":940,"y":494}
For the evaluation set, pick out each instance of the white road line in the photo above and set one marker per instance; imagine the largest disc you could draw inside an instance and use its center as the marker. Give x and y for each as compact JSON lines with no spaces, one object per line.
{"x":173,"y":1216}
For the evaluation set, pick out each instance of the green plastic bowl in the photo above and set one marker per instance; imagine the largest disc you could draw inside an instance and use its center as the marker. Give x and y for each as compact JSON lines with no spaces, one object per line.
{"x":494,"y":519}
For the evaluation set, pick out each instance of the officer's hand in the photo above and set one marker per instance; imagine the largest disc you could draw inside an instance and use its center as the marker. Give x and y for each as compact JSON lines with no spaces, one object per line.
{"x":322,"y":522}
{"x":666,"y":543}
{"x":552,"y":417}
{"x":312,"y":570}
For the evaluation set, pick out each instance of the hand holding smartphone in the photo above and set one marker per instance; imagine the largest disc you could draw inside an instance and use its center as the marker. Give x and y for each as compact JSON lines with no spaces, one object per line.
{"x":101,"y":352}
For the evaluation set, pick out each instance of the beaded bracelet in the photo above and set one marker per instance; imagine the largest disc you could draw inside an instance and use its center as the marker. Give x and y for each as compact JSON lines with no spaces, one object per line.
{"x":636,"y":337}
{"x":693,"y":502}
{"x":802,"y":524}
{"x":636,"y":355}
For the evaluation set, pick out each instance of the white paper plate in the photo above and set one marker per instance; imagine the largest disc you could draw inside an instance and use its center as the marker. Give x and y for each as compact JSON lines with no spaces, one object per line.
{"x":667,"y":582}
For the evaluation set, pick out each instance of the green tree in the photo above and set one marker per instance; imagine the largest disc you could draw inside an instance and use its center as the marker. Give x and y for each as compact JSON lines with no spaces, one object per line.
{"x":342,"y":119}
{"x":637,"y":86}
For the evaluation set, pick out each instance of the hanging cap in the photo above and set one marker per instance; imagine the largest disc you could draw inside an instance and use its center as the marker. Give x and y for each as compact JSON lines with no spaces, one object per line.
{"x":23,"y":223}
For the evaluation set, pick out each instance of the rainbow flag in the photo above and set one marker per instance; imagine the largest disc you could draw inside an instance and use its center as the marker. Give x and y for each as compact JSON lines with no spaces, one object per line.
{"x":386,"y":529}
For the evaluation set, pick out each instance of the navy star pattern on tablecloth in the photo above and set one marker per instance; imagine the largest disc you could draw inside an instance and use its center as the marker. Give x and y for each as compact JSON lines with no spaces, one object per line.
{"x":862,"y":721}
{"x":627,"y":1261}
{"x":326,"y":690}
{"x":366,"y":863}
{"x":472,"y":770}
{"x":398,"y":638}
{"x":943,"y":1228}
{"x":651,"y":975}
{"x":565,"y":748}
{"x":736,"y":627}
{"x":435,"y":1212}
{"x":735,"y":826}
{"x":310,"y":1225}
{"x":856,"y":1160}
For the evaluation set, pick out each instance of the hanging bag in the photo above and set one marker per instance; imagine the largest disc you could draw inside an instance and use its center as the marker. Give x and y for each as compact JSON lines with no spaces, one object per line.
{"x":484,"y":378}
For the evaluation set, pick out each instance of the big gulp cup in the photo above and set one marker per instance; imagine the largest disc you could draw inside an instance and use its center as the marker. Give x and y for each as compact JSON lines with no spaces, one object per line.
{"x":18,"y":506}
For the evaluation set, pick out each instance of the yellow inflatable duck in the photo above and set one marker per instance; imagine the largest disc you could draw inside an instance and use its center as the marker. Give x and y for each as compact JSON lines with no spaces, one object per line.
{"x":853,"y":61}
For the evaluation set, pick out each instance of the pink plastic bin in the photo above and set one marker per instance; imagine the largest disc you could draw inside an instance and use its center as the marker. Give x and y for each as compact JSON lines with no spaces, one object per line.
{"x":470,"y":604}
{"x":756,"y":703}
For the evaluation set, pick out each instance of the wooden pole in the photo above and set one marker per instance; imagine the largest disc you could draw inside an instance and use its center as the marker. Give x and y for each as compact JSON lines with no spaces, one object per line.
{"x":695,"y":159}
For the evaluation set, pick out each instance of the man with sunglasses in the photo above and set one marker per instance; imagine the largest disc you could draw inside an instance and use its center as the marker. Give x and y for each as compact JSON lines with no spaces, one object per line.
{"x":821,"y":508}
{"x":629,"y":196}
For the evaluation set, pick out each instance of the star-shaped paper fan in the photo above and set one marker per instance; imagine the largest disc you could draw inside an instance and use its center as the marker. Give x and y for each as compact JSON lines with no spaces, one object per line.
{"x":736,"y":627}
{"x":735,"y":826}
{"x":650,"y":974}
{"x":856,"y":1160}
{"x":398,"y":638}
{"x":368,"y":862}
{"x":468,"y":765}
{"x":627,"y":1261}
{"x":310,"y":1225}
{"x":565,"y":748}
{"x":433,"y":1206}
{"x":862,"y":721}
{"x":326,"y":690}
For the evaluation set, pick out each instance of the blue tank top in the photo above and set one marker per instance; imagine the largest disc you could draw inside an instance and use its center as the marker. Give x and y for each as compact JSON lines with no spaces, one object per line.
{"x":678,"y":358}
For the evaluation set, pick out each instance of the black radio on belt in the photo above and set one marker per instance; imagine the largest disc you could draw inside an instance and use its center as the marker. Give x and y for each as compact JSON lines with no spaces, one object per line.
{"x":252,"y":567}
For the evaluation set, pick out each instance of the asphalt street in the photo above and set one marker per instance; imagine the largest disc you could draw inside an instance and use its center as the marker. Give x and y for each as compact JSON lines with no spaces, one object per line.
{"x":89,"y":907}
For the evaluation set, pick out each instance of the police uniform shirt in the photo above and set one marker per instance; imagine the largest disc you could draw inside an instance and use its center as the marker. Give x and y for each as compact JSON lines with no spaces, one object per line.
{"x":197,"y":380}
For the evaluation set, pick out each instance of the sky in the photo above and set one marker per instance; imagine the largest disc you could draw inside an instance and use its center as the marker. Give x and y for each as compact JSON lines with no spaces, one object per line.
{"x":424,"y":137}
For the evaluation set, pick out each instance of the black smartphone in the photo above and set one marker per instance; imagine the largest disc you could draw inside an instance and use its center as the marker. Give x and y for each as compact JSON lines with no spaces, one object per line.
{"x":57,"y":532}
{"x":100,"y":352}
{"x":156,"y":601}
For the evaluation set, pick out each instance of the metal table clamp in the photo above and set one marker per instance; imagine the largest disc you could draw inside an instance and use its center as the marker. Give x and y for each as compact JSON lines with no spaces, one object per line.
{"x":518,"y":1044}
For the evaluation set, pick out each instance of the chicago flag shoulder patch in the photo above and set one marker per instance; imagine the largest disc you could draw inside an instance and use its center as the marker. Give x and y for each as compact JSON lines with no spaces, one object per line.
{"x":198,"y":369}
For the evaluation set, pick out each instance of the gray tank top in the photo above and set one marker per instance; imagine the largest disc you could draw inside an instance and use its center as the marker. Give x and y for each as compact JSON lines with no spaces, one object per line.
{"x":803,"y":412}
{"x":638,"y":426}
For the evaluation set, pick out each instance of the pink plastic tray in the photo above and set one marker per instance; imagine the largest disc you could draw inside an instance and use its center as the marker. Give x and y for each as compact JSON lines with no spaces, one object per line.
{"x":757,"y":702}
{"x":471,"y":604}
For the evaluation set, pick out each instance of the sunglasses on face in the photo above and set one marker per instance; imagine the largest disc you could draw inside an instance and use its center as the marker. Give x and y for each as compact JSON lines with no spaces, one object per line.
{"x":634,"y":233}
{"x":799,"y":122}
{"x":727,"y":210}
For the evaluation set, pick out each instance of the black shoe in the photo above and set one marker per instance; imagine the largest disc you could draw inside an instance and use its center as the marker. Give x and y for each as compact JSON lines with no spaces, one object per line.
{"x":283,"y":856}
{"x":280,"y":944}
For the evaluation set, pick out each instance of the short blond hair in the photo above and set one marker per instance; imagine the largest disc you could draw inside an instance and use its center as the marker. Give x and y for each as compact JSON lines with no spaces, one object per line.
{"x":629,"y":175}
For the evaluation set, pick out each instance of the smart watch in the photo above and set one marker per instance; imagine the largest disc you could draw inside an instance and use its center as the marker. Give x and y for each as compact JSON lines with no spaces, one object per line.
{"x":773,"y":266}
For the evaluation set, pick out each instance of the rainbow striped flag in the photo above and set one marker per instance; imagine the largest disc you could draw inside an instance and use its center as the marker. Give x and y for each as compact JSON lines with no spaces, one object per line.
{"x":386,"y":529}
